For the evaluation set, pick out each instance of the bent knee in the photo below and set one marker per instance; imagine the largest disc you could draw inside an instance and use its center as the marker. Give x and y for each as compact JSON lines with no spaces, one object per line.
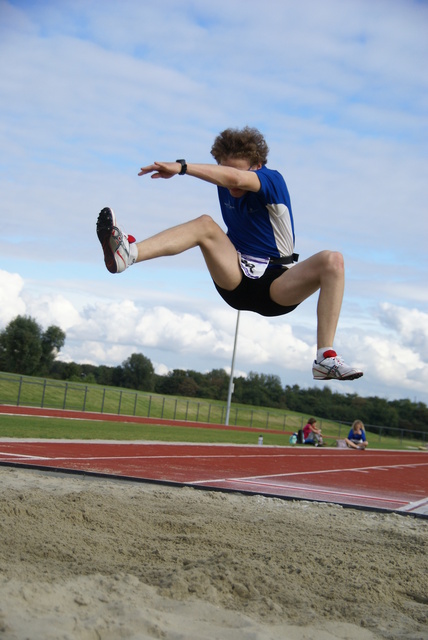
{"x":207,"y":225}
{"x":333,"y":260}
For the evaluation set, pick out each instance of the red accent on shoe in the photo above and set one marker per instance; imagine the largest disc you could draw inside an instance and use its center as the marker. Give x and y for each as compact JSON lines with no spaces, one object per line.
{"x":131,"y":239}
{"x":330,"y":354}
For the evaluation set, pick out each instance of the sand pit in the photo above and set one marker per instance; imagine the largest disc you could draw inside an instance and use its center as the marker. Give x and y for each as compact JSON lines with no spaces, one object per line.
{"x":89,"y":559}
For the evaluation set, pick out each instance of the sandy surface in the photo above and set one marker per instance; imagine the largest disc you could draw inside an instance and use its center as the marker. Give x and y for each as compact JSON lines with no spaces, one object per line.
{"x":90,"y":559}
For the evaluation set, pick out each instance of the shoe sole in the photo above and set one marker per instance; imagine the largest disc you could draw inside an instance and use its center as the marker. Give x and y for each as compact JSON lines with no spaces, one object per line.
{"x":105,"y":223}
{"x":352,"y":376}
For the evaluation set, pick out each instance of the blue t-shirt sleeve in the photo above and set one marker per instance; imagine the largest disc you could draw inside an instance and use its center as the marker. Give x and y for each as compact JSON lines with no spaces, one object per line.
{"x":273,"y":189}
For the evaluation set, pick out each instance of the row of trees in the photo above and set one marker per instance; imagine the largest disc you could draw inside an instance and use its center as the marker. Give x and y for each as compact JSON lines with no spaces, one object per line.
{"x":26,"y":349}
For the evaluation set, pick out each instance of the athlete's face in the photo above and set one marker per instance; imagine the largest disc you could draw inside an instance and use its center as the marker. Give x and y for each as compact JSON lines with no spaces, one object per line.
{"x":243,"y":165}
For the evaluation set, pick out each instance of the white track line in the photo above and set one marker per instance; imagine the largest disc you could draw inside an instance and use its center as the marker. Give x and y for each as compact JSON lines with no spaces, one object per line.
{"x":22,"y":455}
{"x":309,"y":489}
{"x":321,"y":471}
{"x":420,"y":506}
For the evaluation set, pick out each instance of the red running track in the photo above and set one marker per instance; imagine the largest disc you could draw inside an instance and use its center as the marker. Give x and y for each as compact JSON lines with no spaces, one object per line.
{"x":380,"y":480}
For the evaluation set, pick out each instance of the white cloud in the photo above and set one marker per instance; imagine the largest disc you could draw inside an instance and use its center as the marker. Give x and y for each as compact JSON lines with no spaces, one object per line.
{"x":53,"y":310}
{"x":160,"y":369}
{"x":411,"y":325}
{"x":163,"y":328}
{"x":393,"y":354}
{"x":11,"y":303}
{"x":396,"y":366}
{"x":263,"y":344}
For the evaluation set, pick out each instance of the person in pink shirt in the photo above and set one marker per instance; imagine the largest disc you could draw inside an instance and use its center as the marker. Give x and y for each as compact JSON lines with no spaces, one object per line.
{"x":312,"y":434}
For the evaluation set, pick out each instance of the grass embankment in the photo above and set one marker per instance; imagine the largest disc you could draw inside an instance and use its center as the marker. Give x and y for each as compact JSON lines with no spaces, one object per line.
{"x":30,"y":427}
{"x":37,"y":392}
{"x":35,"y":427}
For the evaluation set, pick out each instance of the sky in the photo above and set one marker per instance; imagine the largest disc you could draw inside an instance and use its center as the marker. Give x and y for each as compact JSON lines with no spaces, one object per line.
{"x":92,"y":91}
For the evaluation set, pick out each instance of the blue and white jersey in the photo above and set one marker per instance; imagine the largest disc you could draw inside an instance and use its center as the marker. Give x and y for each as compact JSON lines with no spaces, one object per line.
{"x":260,"y":224}
{"x":357,"y":437}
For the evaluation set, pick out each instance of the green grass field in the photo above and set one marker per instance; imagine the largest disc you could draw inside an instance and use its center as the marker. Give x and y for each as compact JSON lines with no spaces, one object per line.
{"x":30,"y":427}
{"x":36,"y":427}
{"x":57,"y":394}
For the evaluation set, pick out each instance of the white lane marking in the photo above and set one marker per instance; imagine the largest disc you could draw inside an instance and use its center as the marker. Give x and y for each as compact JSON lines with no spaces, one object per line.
{"x":420,"y":506}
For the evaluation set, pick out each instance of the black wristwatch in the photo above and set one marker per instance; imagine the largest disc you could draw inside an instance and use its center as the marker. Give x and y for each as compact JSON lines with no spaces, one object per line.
{"x":183,"y":167}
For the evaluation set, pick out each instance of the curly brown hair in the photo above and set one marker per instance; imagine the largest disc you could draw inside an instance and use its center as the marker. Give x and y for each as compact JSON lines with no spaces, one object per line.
{"x":246,"y":143}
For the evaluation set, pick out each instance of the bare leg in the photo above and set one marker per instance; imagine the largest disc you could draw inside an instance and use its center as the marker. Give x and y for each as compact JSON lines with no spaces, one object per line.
{"x":351,"y":444}
{"x":324,"y":272}
{"x":219,"y":253}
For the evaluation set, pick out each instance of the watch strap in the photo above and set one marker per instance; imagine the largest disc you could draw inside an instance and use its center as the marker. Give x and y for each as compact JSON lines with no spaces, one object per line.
{"x":183,"y":166}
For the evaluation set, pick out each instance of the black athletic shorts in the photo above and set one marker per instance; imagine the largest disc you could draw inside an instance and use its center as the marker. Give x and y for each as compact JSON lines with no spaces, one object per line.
{"x":253,"y":294}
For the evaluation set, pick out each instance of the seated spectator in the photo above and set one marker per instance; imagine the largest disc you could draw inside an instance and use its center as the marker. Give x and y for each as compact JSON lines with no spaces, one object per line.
{"x":357,"y":437}
{"x":312,"y":434}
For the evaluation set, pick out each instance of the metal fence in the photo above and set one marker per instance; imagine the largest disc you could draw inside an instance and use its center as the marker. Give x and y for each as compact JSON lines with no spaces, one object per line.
{"x":75,"y":396}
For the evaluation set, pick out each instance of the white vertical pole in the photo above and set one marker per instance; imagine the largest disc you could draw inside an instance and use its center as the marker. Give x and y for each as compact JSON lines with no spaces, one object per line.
{"x":229,"y":395}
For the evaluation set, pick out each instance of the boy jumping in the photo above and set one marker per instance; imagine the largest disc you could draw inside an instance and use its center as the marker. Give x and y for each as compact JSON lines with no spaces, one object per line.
{"x":253,"y":265}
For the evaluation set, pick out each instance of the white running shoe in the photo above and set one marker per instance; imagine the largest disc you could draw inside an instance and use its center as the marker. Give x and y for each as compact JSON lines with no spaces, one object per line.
{"x":333,"y":368}
{"x":114,"y":241}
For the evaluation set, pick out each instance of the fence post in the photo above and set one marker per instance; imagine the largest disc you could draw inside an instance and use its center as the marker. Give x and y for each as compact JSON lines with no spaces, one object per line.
{"x":120,"y":403}
{"x":209,"y":412}
{"x":148,"y":408}
{"x":267,"y":420}
{"x":102,"y":401}
{"x":84,"y":399}
{"x":163,"y":406}
{"x":187,"y":409}
{"x":175,"y":407}
{"x":19,"y":392}
{"x":65,"y":395}
{"x":135,"y":404}
{"x":43,"y":394}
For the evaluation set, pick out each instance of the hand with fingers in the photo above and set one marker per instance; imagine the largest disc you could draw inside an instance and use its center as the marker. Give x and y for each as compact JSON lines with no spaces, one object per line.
{"x":161,"y":169}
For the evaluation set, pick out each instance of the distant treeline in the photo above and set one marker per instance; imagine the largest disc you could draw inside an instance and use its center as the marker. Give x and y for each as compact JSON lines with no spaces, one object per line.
{"x":28,"y":350}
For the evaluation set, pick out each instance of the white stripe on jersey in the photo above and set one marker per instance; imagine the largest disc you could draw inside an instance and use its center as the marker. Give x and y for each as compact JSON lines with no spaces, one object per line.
{"x":279,"y":216}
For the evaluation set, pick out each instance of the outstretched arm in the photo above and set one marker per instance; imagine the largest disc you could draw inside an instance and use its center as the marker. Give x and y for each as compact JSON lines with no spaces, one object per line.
{"x":220,"y":175}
